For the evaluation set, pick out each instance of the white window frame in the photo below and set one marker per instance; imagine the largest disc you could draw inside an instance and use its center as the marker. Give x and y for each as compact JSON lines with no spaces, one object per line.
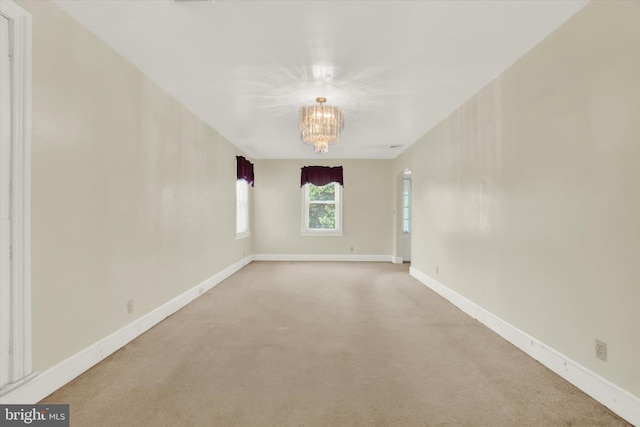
{"x":242,"y":205}
{"x":306,"y":231}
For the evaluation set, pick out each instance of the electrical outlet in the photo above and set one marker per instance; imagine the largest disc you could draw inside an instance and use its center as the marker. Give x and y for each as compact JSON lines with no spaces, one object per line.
{"x":130,"y":306}
{"x":601,"y":350}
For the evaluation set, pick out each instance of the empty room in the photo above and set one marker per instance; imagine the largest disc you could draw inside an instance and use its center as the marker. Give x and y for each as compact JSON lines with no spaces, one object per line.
{"x":320,"y":212}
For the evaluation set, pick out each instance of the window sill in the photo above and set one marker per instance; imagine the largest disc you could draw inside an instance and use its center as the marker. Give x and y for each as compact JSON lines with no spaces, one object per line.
{"x":243,"y":235}
{"x":308,"y":233}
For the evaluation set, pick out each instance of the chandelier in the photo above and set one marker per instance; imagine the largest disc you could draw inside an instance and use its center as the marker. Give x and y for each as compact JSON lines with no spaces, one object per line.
{"x":320,"y":125}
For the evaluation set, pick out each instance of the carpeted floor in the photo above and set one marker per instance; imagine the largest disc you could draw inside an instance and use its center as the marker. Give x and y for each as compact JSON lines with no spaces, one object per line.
{"x":324,"y":344}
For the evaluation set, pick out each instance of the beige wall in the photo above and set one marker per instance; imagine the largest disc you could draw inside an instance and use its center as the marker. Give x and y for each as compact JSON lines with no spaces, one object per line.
{"x":133,"y":197}
{"x":526,"y":198}
{"x":367,"y":201}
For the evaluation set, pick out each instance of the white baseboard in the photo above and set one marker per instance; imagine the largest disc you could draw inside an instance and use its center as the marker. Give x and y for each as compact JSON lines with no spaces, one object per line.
{"x":610,"y":395}
{"x":43,"y":384}
{"x":397,"y":259}
{"x":310,"y":257}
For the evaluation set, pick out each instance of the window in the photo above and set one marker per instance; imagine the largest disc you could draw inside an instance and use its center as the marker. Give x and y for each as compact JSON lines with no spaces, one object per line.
{"x":322,"y":209}
{"x":406,"y":209}
{"x":242,"y":208}
{"x":244,"y":178}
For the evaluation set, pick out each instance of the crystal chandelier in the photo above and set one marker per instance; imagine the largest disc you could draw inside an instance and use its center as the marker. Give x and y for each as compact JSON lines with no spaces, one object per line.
{"x":320,"y":125}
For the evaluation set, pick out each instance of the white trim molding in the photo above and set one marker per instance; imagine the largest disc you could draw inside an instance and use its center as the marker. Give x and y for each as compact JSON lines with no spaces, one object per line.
{"x":610,"y":395}
{"x":313,"y":257}
{"x":21,"y":65}
{"x":45,"y":383}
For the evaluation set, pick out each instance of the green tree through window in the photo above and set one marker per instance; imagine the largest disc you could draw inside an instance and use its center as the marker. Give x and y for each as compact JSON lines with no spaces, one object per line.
{"x":322,"y":208}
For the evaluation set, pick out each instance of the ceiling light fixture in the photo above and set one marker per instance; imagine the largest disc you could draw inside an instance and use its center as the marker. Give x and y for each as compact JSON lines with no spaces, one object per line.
{"x":320,"y":125}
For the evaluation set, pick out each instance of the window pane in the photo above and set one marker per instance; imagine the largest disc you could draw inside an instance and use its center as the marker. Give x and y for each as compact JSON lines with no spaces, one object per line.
{"x":322,"y":216}
{"x":327,"y":192}
{"x":242,"y":206}
{"x":405,"y":206}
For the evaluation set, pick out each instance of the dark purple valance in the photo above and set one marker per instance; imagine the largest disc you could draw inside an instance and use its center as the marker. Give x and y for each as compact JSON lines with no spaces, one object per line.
{"x":244,"y":169}
{"x":321,"y":175}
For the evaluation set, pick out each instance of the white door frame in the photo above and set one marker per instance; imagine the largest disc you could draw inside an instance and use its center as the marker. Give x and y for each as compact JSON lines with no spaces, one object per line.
{"x":19,"y":287}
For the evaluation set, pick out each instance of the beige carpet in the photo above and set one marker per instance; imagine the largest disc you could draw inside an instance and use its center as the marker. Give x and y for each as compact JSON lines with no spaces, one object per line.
{"x":324,"y":344}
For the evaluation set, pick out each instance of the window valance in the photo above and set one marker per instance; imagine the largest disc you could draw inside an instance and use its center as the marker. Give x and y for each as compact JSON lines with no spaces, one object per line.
{"x":244,"y":169}
{"x":321,"y":175}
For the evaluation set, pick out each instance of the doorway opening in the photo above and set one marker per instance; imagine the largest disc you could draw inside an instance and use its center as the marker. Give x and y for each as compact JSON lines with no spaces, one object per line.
{"x":15,"y":149}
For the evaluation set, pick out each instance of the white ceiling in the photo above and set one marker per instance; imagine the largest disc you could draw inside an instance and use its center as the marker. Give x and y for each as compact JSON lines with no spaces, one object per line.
{"x":396,"y":67}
